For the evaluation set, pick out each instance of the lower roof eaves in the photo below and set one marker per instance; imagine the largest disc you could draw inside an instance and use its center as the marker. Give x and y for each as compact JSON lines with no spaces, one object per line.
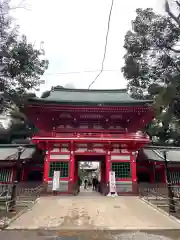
{"x":157,"y":155}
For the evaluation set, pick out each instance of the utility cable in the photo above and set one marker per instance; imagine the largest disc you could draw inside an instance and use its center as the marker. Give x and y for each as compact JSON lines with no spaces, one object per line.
{"x":79,"y":72}
{"x":105,"y":47}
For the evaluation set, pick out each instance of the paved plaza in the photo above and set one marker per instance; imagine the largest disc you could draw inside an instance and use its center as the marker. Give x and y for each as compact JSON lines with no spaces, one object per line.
{"x":90,"y":235}
{"x":87,"y":212}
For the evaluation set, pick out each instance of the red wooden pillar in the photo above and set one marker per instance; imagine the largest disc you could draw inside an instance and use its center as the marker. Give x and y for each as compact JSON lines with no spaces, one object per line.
{"x":22,"y":176}
{"x":72,"y":169}
{"x":163,"y":174}
{"x":13,"y":174}
{"x":46,"y":167}
{"x":76,"y":170}
{"x":108,"y":166}
{"x":102,"y":166}
{"x":151,"y":176}
{"x":134,"y":172}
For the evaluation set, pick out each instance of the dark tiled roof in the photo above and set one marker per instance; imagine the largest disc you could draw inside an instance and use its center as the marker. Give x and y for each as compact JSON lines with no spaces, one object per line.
{"x":83,"y":96}
{"x":157,"y":155}
{"x":10,"y":153}
{"x":173,"y":156}
{"x":152,"y":155}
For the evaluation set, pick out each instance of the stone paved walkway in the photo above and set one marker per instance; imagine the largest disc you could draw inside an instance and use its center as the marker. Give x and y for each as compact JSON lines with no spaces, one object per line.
{"x":93,"y":212}
{"x":89,"y":235}
{"x":88,"y":192}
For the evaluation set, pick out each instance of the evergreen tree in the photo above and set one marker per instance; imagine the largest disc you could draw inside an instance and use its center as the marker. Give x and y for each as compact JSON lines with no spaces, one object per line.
{"x":152,"y":66}
{"x":22,"y":64}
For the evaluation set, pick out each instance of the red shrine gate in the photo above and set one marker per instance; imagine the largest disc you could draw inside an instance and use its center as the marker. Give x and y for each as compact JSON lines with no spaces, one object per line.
{"x":100,"y":124}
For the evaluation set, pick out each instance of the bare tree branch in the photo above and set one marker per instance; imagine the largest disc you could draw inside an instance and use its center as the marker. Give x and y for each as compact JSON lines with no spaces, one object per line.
{"x":178,"y":3}
{"x":169,"y":12}
{"x":173,"y":50}
{"x":21,"y":5}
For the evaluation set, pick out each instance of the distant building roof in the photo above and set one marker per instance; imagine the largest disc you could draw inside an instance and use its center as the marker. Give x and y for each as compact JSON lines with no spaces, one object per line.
{"x":86,"y":97}
{"x":157,"y":155}
{"x":90,"y":168}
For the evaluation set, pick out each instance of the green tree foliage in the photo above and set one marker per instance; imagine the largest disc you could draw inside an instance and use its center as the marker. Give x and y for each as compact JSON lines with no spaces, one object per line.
{"x":21,"y":67}
{"x":152,"y":65}
{"x":24,"y":64}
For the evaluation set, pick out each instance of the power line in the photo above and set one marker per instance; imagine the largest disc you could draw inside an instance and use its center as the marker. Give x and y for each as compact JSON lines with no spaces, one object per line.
{"x":105,"y":47}
{"x":79,"y":72}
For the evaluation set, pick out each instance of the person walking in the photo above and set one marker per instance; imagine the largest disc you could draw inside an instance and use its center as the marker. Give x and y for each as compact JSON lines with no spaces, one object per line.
{"x":94,"y":183}
{"x":85,"y":184}
{"x":97,"y":185}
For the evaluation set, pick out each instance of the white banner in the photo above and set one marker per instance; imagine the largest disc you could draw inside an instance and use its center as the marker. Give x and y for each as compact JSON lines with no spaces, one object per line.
{"x":112,"y":182}
{"x":56,"y":181}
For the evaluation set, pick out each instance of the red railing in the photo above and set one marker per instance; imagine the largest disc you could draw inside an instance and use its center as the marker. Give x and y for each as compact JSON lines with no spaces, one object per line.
{"x":133,"y":136}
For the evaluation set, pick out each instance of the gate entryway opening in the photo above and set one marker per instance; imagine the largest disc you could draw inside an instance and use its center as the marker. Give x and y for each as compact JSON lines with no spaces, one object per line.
{"x":89,"y":167}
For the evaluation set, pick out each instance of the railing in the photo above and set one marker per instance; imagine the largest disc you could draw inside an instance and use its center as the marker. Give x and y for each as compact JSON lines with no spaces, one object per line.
{"x":96,"y":135}
{"x":157,"y":194}
{"x":26,"y":194}
{"x":30,"y":191}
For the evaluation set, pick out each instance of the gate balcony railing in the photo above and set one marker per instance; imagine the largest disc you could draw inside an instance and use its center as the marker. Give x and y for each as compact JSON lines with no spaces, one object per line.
{"x":95,"y":135}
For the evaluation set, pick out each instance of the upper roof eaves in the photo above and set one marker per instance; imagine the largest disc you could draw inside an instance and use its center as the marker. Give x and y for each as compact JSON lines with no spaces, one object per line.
{"x":89,"y":97}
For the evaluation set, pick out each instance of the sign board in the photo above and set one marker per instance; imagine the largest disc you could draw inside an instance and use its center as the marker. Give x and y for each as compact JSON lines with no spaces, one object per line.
{"x":56,"y":181}
{"x":112,"y":182}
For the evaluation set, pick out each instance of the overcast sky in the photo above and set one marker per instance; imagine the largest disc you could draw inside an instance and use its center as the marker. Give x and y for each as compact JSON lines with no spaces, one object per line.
{"x":73,"y":32}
